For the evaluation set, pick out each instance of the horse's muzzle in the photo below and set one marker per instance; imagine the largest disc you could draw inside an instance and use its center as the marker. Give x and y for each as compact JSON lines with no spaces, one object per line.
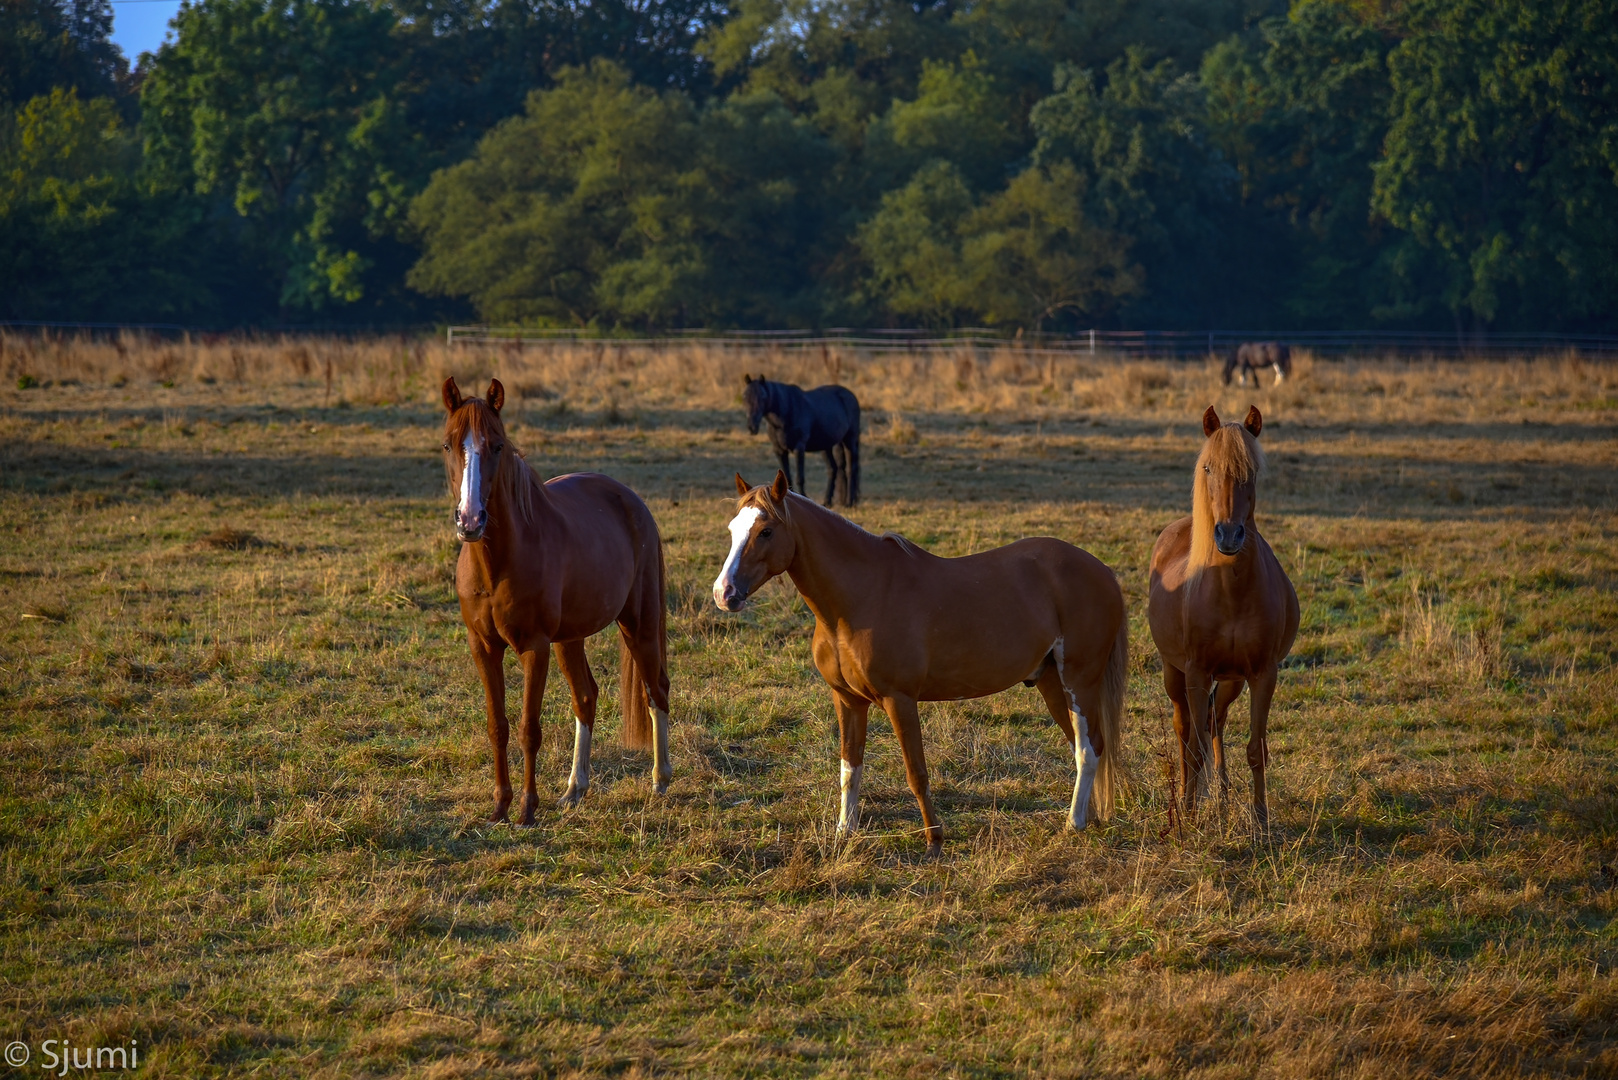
{"x":729,"y":598}
{"x":471,"y":531}
{"x":1229,"y":538}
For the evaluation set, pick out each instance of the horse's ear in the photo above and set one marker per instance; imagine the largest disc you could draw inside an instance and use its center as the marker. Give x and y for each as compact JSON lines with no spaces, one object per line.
{"x":1210,"y":421}
{"x":747,"y":379}
{"x":452,"y":394}
{"x":1254,"y":422}
{"x":741,"y":485}
{"x":496,"y":396}
{"x":779,"y":489}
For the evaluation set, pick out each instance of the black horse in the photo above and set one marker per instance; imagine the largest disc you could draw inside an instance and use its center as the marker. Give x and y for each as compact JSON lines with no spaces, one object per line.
{"x":826,"y":418}
{"x":1253,"y":356}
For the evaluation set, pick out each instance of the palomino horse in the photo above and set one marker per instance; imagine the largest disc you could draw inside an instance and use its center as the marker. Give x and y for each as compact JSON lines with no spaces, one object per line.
{"x":826,"y":418}
{"x":1222,"y":610}
{"x":542,"y":567}
{"x":895,"y":625}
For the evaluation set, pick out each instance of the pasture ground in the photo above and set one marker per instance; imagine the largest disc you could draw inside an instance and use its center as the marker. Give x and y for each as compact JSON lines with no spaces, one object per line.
{"x":241,"y":816}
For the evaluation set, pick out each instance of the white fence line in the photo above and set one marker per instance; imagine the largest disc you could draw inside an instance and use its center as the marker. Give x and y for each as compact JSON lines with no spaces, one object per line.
{"x":1143,"y":343}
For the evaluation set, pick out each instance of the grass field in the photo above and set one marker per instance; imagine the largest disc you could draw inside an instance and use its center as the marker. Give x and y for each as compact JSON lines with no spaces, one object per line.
{"x":242,"y":815}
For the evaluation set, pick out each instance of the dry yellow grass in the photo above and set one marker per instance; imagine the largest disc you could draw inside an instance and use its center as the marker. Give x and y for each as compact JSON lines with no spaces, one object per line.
{"x":241,"y":818}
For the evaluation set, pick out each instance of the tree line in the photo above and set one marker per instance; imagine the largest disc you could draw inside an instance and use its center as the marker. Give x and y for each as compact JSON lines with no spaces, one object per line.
{"x":654,"y":164}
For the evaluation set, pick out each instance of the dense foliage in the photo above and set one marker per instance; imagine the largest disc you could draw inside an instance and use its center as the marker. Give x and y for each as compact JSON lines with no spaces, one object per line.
{"x":661,"y":163}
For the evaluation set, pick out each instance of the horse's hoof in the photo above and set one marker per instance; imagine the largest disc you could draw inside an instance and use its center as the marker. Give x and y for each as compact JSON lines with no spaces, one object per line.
{"x":935,"y":850}
{"x":571,"y":799}
{"x":499,"y":818}
{"x":660,"y":788}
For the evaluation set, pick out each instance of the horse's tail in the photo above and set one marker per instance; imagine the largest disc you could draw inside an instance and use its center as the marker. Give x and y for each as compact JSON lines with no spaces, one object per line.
{"x":632,"y":692}
{"x":1232,"y":358}
{"x":1110,"y":776}
{"x":633,"y":682}
{"x":852,"y":445}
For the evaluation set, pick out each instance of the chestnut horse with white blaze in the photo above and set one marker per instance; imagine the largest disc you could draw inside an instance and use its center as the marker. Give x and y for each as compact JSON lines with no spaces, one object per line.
{"x":1223,"y":612}
{"x":542,"y":567}
{"x":895,"y":625}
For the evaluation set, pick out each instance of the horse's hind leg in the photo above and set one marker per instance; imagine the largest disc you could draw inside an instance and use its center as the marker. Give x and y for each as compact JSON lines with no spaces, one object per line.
{"x":831,"y":476}
{"x":801,"y":489}
{"x":907,"y":726}
{"x":581,"y":681}
{"x":851,"y":468}
{"x":1071,"y":718}
{"x":1224,"y":695}
{"x":851,"y":719}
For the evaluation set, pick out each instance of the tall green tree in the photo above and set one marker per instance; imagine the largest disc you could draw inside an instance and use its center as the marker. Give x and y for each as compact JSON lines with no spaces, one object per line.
{"x":586,"y":180}
{"x":79,"y":239}
{"x":1501,"y":160}
{"x":1301,"y":111}
{"x":1137,"y":136}
{"x":58,"y":44}
{"x":285,"y":115}
{"x":1023,"y":257}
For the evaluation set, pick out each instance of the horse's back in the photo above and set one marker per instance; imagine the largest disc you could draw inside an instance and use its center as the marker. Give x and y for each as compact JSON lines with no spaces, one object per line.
{"x":836,"y":413}
{"x":601,"y":510}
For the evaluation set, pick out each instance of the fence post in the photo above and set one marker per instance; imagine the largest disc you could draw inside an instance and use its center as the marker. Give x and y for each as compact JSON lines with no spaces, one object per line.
{"x":1092,"y":342}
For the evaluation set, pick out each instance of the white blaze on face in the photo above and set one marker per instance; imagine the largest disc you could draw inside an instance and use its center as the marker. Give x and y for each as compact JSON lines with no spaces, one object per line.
{"x":741,"y":526}
{"x":848,"y":820}
{"x":1084,"y":759}
{"x":469,"y":477}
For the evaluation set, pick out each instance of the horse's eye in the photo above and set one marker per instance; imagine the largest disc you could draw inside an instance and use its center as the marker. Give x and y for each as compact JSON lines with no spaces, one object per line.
{"x":765,"y":534}
{"x":499,"y":447}
{"x":446,"y":448}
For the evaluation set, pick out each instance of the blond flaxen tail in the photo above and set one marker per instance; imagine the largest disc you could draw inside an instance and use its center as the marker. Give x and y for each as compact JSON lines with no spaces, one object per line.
{"x":1110,"y":776}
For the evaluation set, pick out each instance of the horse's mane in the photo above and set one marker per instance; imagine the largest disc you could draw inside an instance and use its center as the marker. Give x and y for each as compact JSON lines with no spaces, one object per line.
{"x":1232,"y":452}
{"x":906,"y":545}
{"x":514,"y":479}
{"x":759,"y":498}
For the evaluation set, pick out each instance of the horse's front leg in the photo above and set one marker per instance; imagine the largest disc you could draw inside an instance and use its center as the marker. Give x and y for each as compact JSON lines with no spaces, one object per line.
{"x":1258,"y":744}
{"x":851,"y":718}
{"x":1190,"y":749}
{"x":1199,"y":690}
{"x":801,"y":489}
{"x":786,"y":468}
{"x":489,"y":655}
{"x":1225,"y":694}
{"x":536,"y":664}
{"x":907,"y":726}
{"x":581,"y":681}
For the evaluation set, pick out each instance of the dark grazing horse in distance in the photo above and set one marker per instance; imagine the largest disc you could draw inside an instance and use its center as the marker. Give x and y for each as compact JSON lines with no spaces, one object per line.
{"x":1253,"y":356}
{"x":826,"y":418}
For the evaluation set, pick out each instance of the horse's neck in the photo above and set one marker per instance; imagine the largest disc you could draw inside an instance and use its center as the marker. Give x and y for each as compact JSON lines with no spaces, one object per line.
{"x":832,"y":564}
{"x":510,"y":534}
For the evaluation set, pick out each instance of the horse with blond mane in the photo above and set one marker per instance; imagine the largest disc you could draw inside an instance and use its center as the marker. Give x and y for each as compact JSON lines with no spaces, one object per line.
{"x":542,"y":567}
{"x":895,"y":625}
{"x":1223,"y":612}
